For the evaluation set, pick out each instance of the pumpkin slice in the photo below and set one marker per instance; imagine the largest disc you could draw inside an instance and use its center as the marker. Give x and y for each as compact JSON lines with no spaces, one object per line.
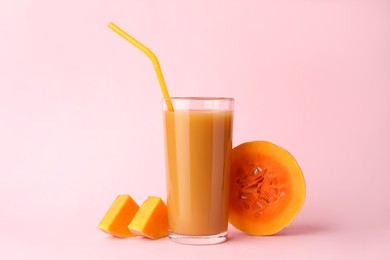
{"x":151,"y":219}
{"x":115,"y":222}
{"x":267,"y":188}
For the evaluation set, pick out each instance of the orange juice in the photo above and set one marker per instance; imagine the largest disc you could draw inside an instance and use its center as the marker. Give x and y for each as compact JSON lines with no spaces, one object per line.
{"x":198,"y":147}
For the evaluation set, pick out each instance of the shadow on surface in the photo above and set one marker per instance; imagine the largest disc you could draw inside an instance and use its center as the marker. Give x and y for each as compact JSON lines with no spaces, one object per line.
{"x":304,"y":229}
{"x":293,"y":230}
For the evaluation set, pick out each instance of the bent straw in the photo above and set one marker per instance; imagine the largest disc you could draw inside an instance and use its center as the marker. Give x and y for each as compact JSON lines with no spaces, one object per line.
{"x":152,"y":57}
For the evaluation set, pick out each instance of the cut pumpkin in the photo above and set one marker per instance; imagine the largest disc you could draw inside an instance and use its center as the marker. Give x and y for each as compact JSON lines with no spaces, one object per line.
{"x":267,"y":188}
{"x":115,"y":222}
{"x":151,"y":219}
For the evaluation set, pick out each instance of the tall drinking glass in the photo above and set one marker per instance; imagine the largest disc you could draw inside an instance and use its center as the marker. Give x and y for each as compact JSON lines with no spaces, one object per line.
{"x":198,"y":144}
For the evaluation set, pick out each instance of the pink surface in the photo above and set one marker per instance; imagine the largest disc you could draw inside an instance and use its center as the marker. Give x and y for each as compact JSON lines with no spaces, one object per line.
{"x":81,"y":120}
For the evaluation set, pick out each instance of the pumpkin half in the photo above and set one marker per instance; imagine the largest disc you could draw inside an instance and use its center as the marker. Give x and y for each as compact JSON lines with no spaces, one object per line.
{"x":267,"y":188}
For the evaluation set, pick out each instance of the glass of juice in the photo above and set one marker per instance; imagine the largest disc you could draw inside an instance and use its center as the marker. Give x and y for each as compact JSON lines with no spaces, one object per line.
{"x":198,"y":145}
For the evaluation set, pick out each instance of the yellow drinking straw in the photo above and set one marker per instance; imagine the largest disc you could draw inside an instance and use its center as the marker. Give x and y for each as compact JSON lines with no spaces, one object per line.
{"x":151,"y":56}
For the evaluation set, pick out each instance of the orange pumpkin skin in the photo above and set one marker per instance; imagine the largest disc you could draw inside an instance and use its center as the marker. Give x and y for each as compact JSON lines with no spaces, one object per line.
{"x":267,"y":188}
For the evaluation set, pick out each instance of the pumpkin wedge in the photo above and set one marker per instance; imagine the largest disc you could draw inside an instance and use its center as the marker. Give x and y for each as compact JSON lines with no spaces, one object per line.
{"x":151,"y":220}
{"x":115,"y":222}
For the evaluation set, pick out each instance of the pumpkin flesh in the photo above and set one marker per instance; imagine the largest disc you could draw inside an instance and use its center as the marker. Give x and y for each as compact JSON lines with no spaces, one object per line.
{"x":267,"y":188}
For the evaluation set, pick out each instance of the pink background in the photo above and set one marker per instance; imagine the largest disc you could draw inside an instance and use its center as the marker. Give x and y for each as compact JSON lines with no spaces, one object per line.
{"x":81,"y":120}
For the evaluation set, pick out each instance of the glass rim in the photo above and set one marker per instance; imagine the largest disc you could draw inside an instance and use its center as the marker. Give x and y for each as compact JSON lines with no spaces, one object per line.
{"x":200,"y":98}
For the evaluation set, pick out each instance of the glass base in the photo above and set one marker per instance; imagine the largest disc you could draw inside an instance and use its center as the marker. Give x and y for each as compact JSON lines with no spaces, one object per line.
{"x":198,"y":240}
